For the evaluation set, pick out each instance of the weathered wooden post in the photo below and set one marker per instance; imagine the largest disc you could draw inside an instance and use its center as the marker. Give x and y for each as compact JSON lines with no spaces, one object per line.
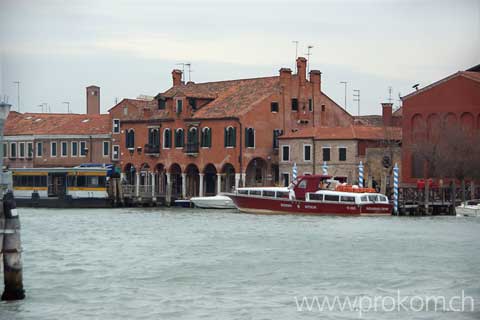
{"x":453,"y":196}
{"x":427,"y":194}
{"x":11,"y":249}
{"x":168,"y":195}
{"x":472,"y":190}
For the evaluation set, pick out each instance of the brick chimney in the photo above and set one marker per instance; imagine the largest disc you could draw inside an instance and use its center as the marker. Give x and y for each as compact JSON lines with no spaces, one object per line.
{"x":177,"y":77}
{"x":387,"y":114}
{"x":93,"y":100}
{"x":302,"y":70}
{"x":285,"y":76}
{"x":316,"y":80}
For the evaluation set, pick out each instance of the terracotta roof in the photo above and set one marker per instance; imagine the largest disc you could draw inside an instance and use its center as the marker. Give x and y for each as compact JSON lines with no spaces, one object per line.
{"x":347,"y":133}
{"x":229,"y":98}
{"x":56,"y":124}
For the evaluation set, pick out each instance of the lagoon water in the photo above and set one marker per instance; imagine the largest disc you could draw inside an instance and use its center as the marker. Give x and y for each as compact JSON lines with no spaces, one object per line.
{"x":161,"y":263}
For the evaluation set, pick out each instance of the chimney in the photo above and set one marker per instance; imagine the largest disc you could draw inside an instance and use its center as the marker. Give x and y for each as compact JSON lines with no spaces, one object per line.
{"x":387,"y":114}
{"x":93,"y":100}
{"x":177,"y":77}
{"x":316,"y":80}
{"x":285,"y":76}
{"x":302,"y":70}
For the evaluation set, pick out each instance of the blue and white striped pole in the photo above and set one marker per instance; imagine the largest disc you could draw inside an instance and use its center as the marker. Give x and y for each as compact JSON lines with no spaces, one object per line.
{"x":294,"y":171}
{"x":360,"y":175}
{"x":395,"y":189}
{"x":325,"y":168}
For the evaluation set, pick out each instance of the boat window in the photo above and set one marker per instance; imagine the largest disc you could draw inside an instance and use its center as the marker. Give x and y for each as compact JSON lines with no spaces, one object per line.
{"x":302,"y":184}
{"x":331,"y":197}
{"x":268,"y":193}
{"x":364,"y":199}
{"x":316,"y":196}
{"x":282,"y":194}
{"x":243,"y":191}
{"x":30,"y":181}
{"x":372,"y":198}
{"x":383,"y":198}
{"x":255,"y":192}
{"x":347,"y":199}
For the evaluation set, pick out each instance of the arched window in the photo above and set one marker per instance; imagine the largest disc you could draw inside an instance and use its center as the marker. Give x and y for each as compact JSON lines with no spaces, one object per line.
{"x":153,"y":137}
{"x":179,"y":138}
{"x":167,"y":138}
{"x":192,"y":137}
{"x":206,"y":140}
{"x":249,"y":138}
{"x":230,"y":137}
{"x":130,"y":139}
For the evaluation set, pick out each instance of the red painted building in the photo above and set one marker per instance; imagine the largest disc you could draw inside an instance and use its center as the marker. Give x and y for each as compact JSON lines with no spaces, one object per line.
{"x":429,"y":112}
{"x":203,"y":138}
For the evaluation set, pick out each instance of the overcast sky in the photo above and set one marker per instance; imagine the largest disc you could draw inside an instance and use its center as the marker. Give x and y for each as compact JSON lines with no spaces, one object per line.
{"x":57,"y":48}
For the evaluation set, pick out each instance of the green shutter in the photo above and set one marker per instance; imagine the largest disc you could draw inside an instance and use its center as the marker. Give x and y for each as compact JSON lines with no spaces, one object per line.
{"x":209,"y":138}
{"x":234,"y":138}
{"x":225,"y":137}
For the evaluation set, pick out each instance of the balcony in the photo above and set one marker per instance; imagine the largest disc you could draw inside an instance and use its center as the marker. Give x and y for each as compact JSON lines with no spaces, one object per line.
{"x":152,"y":150}
{"x":192,"y":149}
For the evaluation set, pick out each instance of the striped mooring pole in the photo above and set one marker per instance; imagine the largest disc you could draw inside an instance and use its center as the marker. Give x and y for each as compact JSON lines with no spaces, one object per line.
{"x":294,"y":171}
{"x":360,"y":175}
{"x":325,"y":168}
{"x":395,"y":189}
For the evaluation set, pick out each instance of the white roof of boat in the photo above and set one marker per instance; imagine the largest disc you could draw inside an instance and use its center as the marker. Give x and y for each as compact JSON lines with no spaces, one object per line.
{"x":348,"y":194}
{"x":285,"y":189}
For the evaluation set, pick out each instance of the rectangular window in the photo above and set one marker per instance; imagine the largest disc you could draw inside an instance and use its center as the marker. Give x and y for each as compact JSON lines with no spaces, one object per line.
{"x":39,"y":149}
{"x":276,"y":133}
{"x":179,"y":106}
{"x":83,"y":149}
{"x":161,"y":103}
{"x":116,"y":152}
{"x":106,"y":148}
{"x":342,"y":154}
{"x":274,"y":106}
{"x":310,"y":105}
{"x":21,"y":147}
{"x":53,"y":149}
{"x":285,"y":153}
{"x":13,"y":150}
{"x":286,"y":179}
{"x":30,"y":150}
{"x":116,"y":126}
{"x":74,"y":149}
{"x":307,"y":152}
{"x":64,"y":150}
{"x":326,"y":154}
{"x":294,"y":104}
{"x":4,"y":150}
{"x":331,"y":197}
{"x":249,"y":138}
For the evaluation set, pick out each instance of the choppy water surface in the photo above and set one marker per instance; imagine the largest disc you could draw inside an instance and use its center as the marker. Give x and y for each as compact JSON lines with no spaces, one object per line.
{"x":200,"y":264}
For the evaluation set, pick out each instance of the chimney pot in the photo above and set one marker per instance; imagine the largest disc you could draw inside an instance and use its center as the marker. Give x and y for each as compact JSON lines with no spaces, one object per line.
{"x":177,"y":77}
{"x":302,"y":69}
{"x":387,"y":109}
{"x":93,"y":99}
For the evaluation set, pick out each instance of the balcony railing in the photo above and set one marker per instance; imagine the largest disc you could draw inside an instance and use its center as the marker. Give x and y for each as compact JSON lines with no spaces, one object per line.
{"x":192,"y":148}
{"x":151,"y":149}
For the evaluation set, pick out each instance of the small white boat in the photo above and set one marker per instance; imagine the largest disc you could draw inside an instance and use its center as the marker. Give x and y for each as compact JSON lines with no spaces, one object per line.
{"x":216,"y":202}
{"x":469,"y":208}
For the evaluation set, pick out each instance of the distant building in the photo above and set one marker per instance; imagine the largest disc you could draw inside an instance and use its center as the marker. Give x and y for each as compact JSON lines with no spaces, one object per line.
{"x":341,"y":149}
{"x":432,"y":113}
{"x":203,"y":138}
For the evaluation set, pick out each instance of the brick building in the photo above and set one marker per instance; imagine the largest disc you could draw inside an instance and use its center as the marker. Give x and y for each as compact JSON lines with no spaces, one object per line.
{"x":202,"y":138}
{"x":58,"y":139}
{"x":431,"y":113}
{"x":342,"y":149}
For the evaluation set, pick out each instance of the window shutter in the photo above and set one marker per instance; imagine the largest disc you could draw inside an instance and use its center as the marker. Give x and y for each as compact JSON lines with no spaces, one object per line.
{"x":225,"y":136}
{"x":234,"y":137}
{"x":209,"y":138}
{"x":246,"y":138}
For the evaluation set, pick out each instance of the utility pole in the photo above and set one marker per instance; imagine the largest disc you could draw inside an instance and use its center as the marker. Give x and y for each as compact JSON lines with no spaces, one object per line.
{"x":296,"y":54}
{"x":345,"y":84}
{"x":68,"y":105}
{"x":18,"y":94}
{"x":308,"y":58}
{"x":356,"y":97}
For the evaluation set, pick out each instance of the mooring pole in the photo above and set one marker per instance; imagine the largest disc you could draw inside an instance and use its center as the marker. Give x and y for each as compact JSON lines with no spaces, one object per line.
{"x":11,"y":249}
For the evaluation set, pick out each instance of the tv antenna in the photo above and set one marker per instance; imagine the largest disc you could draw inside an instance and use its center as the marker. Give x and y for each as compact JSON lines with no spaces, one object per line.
{"x":183,"y":69}
{"x":390,"y":94}
{"x":356,"y":97}
{"x":68,"y":105}
{"x":310,"y":47}
{"x":189,"y":66}
{"x":296,"y":54}
{"x":415,"y":86}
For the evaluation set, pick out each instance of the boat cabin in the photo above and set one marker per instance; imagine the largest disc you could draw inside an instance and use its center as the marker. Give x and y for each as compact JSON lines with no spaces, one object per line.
{"x":310,"y":183}
{"x":329,"y":196}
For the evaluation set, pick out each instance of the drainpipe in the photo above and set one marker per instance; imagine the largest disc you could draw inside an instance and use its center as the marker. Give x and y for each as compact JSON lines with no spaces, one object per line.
{"x":240,"y":157}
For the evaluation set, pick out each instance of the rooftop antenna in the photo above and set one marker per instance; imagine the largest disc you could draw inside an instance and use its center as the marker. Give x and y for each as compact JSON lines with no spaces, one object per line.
{"x":356,"y":97}
{"x":189,"y":66}
{"x":390,"y":94}
{"x":18,"y":94}
{"x":68,"y":105}
{"x":308,"y":57}
{"x":183,"y":69}
{"x":40,"y":106}
{"x":415,"y":86}
{"x":116,"y":100}
{"x":296,"y":54}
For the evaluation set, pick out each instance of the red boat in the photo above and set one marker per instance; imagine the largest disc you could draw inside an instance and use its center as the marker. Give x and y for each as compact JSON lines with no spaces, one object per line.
{"x":312,"y":195}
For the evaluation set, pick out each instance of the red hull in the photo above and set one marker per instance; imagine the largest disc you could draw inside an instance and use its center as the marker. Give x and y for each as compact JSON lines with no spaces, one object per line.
{"x":285,"y":206}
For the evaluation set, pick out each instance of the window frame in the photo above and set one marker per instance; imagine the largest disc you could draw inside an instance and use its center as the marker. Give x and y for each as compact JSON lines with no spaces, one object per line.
{"x":276,"y":104}
{"x":117,"y":158}
{"x":108,"y":148}
{"x":340,"y":154}
{"x":39,"y":149}
{"x":230,"y":137}
{"x":294,"y":104}
{"x":5,"y":150}
{"x":204,"y":142}
{"x":115,"y":129}
{"x":248,"y":140}
{"x":29,"y":147}
{"x":63,"y":143}
{"x":80,"y":149}
{"x":72,"y":149}
{"x":169,"y":144}
{"x":51,"y":149}
{"x":284,"y":146}
{"x":178,"y":106}
{"x":183,"y":138}
{"x":21,"y":150}
{"x":329,"y":153}
{"x":310,"y":155}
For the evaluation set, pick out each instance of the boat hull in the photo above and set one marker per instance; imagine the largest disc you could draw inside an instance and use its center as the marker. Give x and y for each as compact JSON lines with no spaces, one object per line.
{"x":265,"y":205}
{"x":215,"y":202}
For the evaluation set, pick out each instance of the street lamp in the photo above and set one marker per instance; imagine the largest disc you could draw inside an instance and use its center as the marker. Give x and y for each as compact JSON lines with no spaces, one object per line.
{"x":4,"y":110}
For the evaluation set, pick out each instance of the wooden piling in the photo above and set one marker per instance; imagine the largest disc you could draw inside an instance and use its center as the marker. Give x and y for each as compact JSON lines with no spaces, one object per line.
{"x":11,"y":249}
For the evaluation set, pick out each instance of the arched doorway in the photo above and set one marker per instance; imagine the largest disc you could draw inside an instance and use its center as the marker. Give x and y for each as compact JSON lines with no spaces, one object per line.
{"x":192,"y":181}
{"x":256,"y":173}
{"x":145,"y":174}
{"x":176,"y":179}
{"x":129,"y":171}
{"x":210,"y":180}
{"x":228,"y":172}
{"x":160,"y":179}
